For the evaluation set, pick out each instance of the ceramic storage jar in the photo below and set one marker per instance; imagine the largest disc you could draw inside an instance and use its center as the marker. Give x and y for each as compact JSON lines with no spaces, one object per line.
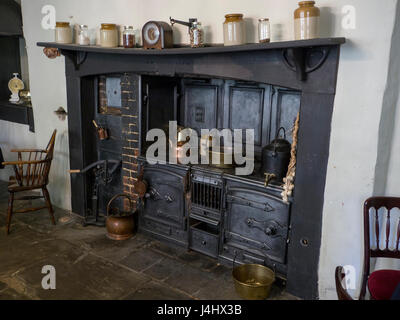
{"x":234,"y":29}
{"x":109,"y":35}
{"x":306,"y":21}
{"x":63,"y":33}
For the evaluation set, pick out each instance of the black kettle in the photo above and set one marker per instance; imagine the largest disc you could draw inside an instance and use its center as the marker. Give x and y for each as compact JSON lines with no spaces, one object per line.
{"x":275,"y":158}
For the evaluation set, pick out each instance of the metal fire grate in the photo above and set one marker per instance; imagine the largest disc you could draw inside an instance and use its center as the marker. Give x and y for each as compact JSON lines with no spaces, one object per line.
{"x":207,"y":195}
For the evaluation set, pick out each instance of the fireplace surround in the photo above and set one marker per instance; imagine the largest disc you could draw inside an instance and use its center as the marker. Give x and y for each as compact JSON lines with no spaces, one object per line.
{"x":242,"y":221}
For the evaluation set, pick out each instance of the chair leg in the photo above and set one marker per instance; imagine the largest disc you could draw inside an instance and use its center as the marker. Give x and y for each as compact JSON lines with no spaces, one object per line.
{"x":9,"y":211}
{"x":48,"y":204}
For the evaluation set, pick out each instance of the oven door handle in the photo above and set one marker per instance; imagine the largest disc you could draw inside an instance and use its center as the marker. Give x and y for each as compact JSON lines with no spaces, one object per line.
{"x":254,"y":204}
{"x":269,"y":227}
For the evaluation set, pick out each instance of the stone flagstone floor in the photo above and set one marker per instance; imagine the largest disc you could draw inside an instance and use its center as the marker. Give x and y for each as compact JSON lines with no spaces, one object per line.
{"x":90,"y":266}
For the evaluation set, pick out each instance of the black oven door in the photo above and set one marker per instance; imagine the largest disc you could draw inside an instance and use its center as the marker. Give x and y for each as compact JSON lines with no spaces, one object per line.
{"x":165,"y":201}
{"x":257,"y":222}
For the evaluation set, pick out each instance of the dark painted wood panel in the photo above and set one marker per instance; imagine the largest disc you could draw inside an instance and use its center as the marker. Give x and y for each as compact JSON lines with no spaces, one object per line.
{"x":312,"y":158}
{"x":9,"y":64}
{"x":266,"y":67}
{"x":159,"y":102}
{"x":10,"y":18}
{"x":110,"y":149}
{"x":201,"y":106}
{"x":285,"y":107}
{"x":17,"y":113}
{"x":76,"y":148}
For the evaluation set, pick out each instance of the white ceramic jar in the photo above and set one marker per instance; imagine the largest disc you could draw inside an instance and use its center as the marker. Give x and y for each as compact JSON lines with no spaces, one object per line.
{"x":63,"y":33}
{"x":109,"y":35}
{"x":234,"y":29}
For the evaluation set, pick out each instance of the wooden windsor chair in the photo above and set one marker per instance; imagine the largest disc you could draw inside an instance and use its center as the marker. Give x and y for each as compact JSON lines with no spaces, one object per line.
{"x":31,"y":173}
{"x":381,"y":283}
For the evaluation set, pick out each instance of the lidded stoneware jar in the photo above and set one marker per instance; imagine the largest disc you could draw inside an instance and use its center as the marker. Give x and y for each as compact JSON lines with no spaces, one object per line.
{"x":63,"y":33}
{"x":306,"y":21}
{"x":109,"y":35}
{"x":234,"y":29}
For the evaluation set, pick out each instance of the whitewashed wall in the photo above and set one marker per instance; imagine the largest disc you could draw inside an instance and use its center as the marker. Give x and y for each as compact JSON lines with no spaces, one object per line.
{"x":362,"y":79}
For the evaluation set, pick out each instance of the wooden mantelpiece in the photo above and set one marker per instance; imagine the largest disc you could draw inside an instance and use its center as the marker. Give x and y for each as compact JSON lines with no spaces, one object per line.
{"x":300,"y":57}
{"x":217,"y":48}
{"x":309,"y":66}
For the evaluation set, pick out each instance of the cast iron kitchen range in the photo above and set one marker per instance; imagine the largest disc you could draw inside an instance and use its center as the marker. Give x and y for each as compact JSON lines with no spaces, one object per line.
{"x":207,"y":208}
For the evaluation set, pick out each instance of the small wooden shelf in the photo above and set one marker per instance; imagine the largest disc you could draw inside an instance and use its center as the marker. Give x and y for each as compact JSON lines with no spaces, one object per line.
{"x":18,"y":113}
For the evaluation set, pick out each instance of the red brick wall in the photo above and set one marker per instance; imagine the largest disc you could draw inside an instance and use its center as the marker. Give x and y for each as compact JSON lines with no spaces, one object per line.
{"x":130,"y":133}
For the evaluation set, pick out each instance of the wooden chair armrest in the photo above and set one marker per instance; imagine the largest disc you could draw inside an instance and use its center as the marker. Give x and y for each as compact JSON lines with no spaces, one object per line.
{"x":28,"y":150}
{"x":16,"y":163}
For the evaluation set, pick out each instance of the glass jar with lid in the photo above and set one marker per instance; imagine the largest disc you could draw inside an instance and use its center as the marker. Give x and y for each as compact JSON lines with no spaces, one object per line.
{"x":128,"y":37}
{"x":109,"y":35}
{"x":63,"y":33}
{"x":264,"y":30}
{"x":196,"y":34}
{"x":234,"y":29}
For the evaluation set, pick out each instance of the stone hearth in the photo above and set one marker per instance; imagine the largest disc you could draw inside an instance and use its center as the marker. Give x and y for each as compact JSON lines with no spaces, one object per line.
{"x":140,"y":268}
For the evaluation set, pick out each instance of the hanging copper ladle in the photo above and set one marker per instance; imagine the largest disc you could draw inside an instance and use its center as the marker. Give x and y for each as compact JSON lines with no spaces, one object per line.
{"x":101,"y":132}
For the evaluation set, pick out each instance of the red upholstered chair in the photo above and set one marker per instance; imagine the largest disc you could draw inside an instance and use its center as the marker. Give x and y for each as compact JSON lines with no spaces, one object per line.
{"x":381,"y":283}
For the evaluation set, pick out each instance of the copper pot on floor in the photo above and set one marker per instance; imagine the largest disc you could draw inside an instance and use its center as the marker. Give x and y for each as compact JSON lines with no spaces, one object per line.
{"x":120,"y":224}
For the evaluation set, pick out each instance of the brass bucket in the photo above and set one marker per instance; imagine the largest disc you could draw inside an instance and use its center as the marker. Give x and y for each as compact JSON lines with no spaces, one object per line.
{"x":253,"y":281}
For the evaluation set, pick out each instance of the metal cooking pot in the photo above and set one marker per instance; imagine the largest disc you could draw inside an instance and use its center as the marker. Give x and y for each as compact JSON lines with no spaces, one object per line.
{"x":119,"y":224}
{"x":275,"y":157}
{"x":220,"y":156}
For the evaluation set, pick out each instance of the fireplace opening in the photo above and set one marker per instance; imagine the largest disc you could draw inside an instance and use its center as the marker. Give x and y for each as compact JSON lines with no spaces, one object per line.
{"x":203,"y":207}
{"x":204,"y":103}
{"x":234,"y":218}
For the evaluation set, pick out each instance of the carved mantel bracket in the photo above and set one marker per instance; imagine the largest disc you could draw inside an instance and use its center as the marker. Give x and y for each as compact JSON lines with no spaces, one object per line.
{"x":304,"y":60}
{"x":77,"y":57}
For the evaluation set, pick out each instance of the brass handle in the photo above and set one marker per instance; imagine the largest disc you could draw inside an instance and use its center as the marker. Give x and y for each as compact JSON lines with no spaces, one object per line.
{"x":118,"y":196}
{"x":74,"y":171}
{"x":268,"y":178}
